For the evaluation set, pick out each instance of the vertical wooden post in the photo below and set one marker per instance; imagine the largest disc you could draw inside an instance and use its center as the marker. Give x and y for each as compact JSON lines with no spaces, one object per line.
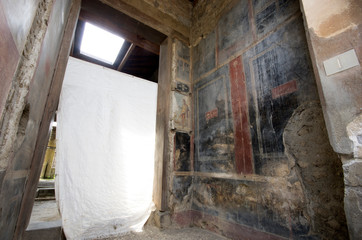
{"x":162,"y":151}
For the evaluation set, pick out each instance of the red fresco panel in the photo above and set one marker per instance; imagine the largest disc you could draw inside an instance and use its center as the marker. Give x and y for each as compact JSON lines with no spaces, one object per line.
{"x":243,"y":156}
{"x":284,"y":89}
{"x":183,"y":219}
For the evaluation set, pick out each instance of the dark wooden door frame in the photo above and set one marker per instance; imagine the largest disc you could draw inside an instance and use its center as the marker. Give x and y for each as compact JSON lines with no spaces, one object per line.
{"x":48,"y":114}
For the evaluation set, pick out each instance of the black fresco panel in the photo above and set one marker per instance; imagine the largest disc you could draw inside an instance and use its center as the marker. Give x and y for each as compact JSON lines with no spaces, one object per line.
{"x":182,"y":152}
{"x":214,"y":139}
{"x":234,"y":31}
{"x":269,"y":14}
{"x":279,"y":78}
{"x":203,"y":56}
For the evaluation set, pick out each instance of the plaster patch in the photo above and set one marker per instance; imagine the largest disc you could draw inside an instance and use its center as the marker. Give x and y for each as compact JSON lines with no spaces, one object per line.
{"x":330,"y":17}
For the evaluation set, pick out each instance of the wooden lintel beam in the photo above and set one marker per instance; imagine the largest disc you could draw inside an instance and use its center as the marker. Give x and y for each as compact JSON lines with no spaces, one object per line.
{"x":119,"y":29}
{"x":126,"y":56}
{"x":151,"y":16}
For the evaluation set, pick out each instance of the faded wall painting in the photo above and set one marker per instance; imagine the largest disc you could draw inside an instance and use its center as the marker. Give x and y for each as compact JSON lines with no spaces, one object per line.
{"x":181,"y":62}
{"x":279,"y":78}
{"x":181,"y":112}
{"x":214,"y":137}
{"x":182,"y":152}
{"x":234,"y":31}
{"x":183,"y":69}
{"x":203,"y":56}
{"x":268,"y":14}
{"x":182,"y":87}
{"x":243,"y":153}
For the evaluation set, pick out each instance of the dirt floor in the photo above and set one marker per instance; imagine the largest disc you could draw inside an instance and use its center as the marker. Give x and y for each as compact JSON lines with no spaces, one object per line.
{"x":152,"y":233}
{"x":47,"y":211}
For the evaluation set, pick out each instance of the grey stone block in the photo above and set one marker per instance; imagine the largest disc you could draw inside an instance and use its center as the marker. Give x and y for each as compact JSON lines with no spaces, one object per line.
{"x":353,"y":173}
{"x":353,"y":209}
{"x":44,"y":231}
{"x":162,"y":219}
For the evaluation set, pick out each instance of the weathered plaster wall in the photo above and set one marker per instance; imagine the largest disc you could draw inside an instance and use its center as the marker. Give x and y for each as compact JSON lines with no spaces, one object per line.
{"x":263,"y":167}
{"x":332,"y":28}
{"x":174,"y":143}
{"x":181,"y":130}
{"x":37,"y":35}
{"x":16,"y":19}
{"x":181,"y":11}
{"x":205,"y":16}
{"x":170,"y":17}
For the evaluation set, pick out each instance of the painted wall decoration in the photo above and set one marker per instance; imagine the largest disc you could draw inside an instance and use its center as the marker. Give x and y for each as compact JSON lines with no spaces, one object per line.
{"x":249,"y":79}
{"x":182,"y":186}
{"x":248,"y":205}
{"x":234,"y":31}
{"x":182,"y":62}
{"x":182,"y":87}
{"x":181,"y":111}
{"x":203,"y":56}
{"x":243,"y":155}
{"x":268,"y":14}
{"x":279,"y":78}
{"x":183,"y":70}
{"x":214,"y":137}
{"x":182,"y":152}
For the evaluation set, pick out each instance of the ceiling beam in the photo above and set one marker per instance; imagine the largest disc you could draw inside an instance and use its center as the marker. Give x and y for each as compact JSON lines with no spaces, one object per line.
{"x":164,"y":20}
{"x":126,"y":56}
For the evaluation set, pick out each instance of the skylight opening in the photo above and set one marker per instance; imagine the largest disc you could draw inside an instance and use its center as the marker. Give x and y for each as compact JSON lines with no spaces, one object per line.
{"x":100,"y":44}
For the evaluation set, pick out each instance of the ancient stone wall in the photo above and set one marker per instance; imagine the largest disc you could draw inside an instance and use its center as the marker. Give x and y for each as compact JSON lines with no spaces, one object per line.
{"x":334,"y":27}
{"x":262,"y":164}
{"x":181,"y":11}
{"x":37,"y":29}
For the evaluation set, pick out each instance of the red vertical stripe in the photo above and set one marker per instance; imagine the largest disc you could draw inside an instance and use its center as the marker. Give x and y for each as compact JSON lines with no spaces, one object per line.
{"x":243,"y":156}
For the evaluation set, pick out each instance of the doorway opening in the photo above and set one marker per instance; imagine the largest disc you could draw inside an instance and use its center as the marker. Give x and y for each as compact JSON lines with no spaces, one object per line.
{"x":138,"y":56}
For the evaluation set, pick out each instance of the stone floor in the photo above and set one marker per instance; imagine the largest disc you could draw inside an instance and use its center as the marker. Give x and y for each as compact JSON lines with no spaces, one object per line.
{"x":152,"y":233}
{"x":44,"y":211}
{"x":45,"y":222}
{"x":47,"y":211}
